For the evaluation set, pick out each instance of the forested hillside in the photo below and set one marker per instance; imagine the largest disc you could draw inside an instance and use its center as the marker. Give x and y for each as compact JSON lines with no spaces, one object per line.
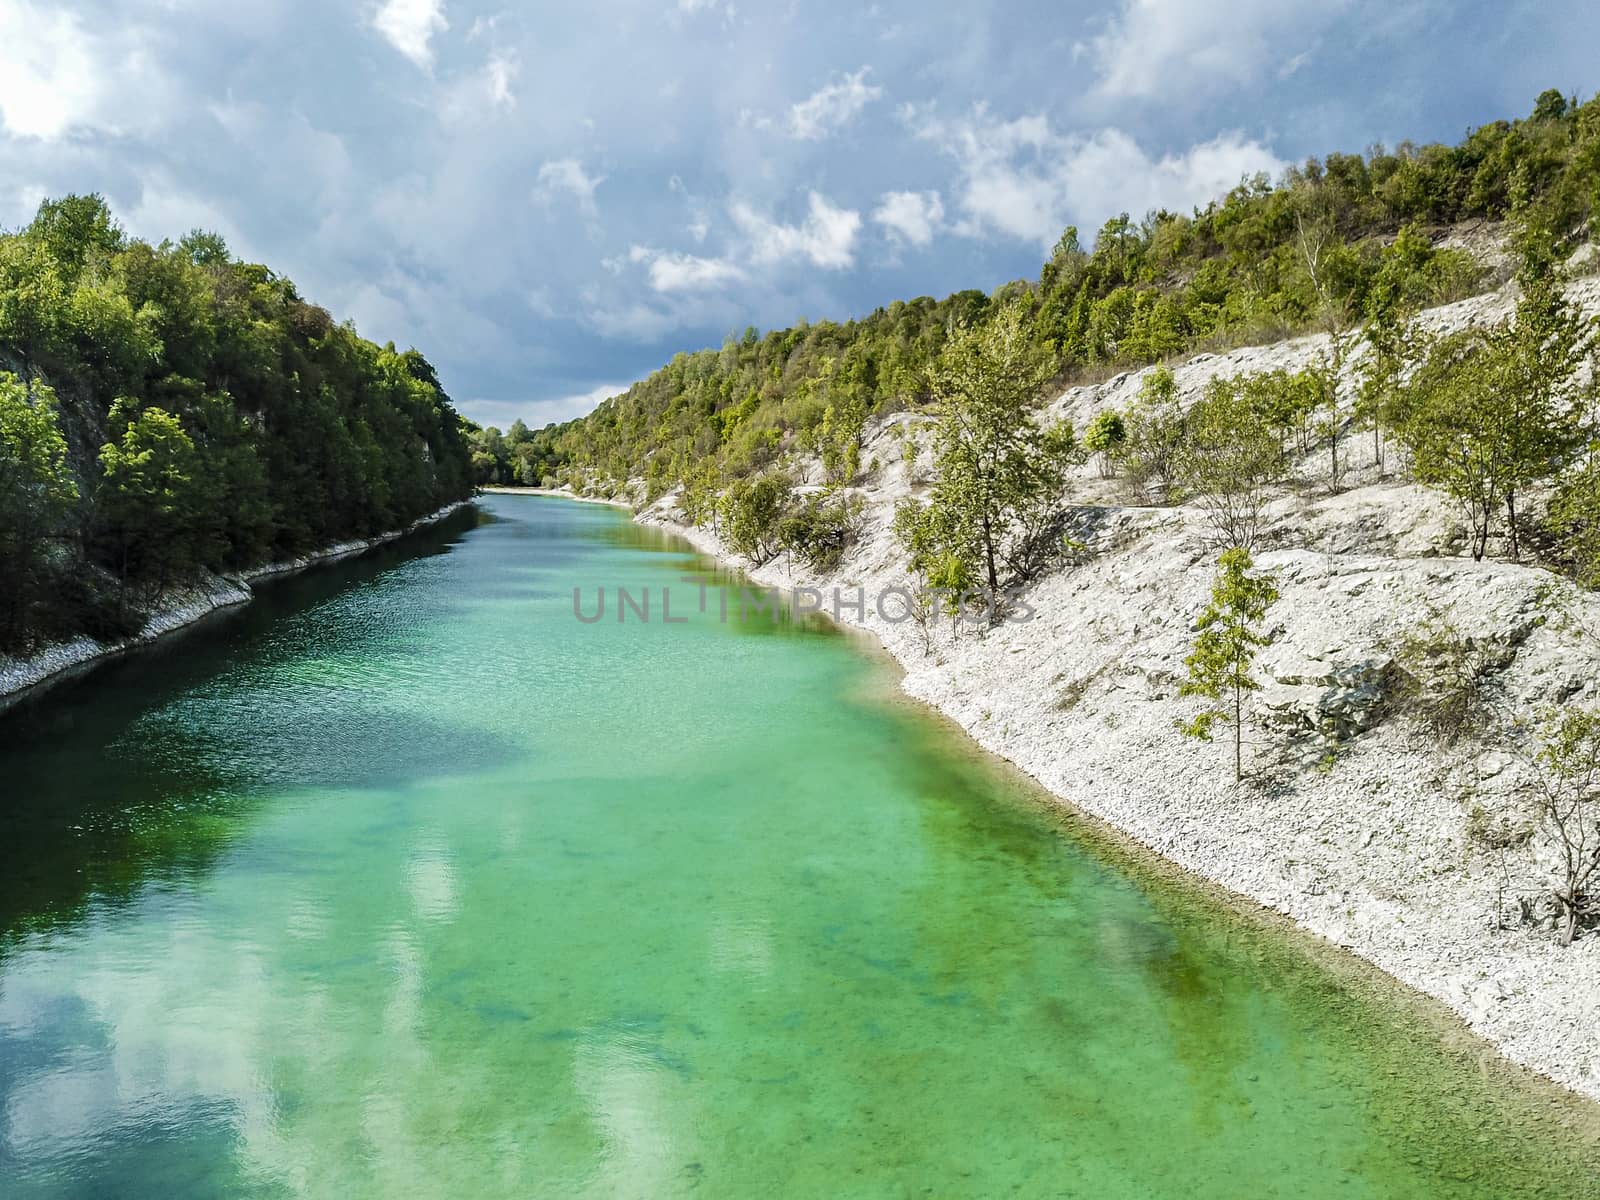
{"x":167,"y":409}
{"x":1335,"y":244}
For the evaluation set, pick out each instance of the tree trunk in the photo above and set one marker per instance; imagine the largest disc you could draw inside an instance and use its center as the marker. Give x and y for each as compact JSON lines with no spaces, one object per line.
{"x":1238,"y":734}
{"x":1480,"y":532}
{"x":988,"y":554}
{"x":1511,"y":520}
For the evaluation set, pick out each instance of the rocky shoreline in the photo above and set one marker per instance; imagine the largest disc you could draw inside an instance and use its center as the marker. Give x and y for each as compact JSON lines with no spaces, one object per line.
{"x":1366,"y":847}
{"x":181,"y":607}
{"x":1357,"y":824}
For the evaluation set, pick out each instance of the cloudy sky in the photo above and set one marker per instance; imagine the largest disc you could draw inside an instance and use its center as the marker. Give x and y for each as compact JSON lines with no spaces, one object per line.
{"x":550,"y":200}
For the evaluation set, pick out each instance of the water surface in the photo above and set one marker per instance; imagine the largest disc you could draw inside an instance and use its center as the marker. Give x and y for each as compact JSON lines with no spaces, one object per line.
{"x":403,"y":882}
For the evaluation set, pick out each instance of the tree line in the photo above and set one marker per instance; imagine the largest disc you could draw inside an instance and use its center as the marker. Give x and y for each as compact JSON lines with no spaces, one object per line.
{"x":1312,"y":251}
{"x":167,"y":409}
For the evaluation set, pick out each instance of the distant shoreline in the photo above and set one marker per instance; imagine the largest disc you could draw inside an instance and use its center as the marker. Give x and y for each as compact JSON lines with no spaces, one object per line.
{"x":559,"y":493}
{"x":22,"y":678}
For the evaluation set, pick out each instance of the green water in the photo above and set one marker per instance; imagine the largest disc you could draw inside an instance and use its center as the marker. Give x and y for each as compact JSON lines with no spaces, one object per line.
{"x":403,"y":882}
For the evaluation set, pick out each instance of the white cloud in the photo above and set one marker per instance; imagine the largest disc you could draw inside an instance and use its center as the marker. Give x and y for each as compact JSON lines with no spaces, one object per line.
{"x":58,"y":74}
{"x":581,"y":404}
{"x":690,"y":8}
{"x":910,"y":216}
{"x":1154,"y":47}
{"x":1025,"y":180}
{"x":831,"y":107}
{"x":409,"y":25}
{"x":826,"y":239}
{"x":25,"y":207}
{"x":498,"y":73}
{"x":470,"y":97}
{"x":49,"y":79}
{"x":675,"y":272}
{"x":568,"y":175}
{"x":632,"y":321}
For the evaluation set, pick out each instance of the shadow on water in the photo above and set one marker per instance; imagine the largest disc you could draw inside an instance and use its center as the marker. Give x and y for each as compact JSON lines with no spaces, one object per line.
{"x":144,"y":770}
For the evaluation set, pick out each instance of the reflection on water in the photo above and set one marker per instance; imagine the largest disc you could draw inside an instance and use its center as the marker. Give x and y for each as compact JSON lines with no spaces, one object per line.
{"x":414,"y":886}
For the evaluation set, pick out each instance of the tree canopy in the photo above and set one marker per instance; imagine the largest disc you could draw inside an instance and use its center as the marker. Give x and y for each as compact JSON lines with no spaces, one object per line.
{"x":167,"y":408}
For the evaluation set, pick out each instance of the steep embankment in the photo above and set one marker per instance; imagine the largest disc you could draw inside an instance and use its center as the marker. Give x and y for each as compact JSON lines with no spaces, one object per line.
{"x":1357,"y":823}
{"x":176,"y":609}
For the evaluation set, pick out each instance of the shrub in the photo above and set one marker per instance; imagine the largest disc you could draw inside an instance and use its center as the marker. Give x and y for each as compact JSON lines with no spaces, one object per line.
{"x":1104,"y":436}
{"x":1155,"y":434}
{"x":752,"y":512}
{"x":1445,"y":677}
{"x":819,"y":530}
{"x":1569,"y":808}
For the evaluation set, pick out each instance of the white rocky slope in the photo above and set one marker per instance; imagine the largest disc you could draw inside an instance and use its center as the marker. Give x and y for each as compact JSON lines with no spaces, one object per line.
{"x":1368,"y":843}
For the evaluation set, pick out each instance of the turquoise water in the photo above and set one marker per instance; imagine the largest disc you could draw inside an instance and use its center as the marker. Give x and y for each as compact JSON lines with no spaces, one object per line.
{"x":403,"y":882}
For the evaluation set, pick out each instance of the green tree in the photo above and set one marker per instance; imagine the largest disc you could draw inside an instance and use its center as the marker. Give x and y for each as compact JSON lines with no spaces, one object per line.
{"x":701,"y":492}
{"x":1155,"y":433}
{"x":997,"y":469}
{"x":1229,"y":456}
{"x":752,"y":516}
{"x":1225,"y":649}
{"x":75,"y":231}
{"x":1325,"y":376}
{"x":842,"y":423}
{"x":1490,"y":413}
{"x":33,"y":302}
{"x":1105,"y":435}
{"x":37,"y":494}
{"x":148,"y":506}
{"x":940,"y":553}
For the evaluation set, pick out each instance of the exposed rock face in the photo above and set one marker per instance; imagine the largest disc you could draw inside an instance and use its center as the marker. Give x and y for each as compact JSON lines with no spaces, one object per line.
{"x":1337,"y":702}
{"x":1358,"y":820}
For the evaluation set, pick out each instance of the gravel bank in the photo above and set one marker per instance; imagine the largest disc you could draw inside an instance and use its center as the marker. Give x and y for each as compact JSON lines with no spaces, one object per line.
{"x":1363,"y":838}
{"x":179,"y":607}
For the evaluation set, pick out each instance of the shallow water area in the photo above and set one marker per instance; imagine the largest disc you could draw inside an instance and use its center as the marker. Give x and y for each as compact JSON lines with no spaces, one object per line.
{"x":405,"y":882}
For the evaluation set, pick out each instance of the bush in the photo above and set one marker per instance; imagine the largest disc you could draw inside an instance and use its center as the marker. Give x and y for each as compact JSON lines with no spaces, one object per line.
{"x":752,"y":513}
{"x":1104,"y":436}
{"x":1569,"y":808}
{"x":819,"y":530}
{"x":1155,"y":434}
{"x":1446,"y":675}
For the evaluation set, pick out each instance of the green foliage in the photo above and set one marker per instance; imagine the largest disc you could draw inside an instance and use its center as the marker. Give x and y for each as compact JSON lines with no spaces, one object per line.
{"x":1230,"y":635}
{"x":239,"y":422}
{"x":1490,"y":413}
{"x":1323,"y":377}
{"x":150,"y":498}
{"x":1229,"y":455}
{"x":999,"y":473}
{"x":37,"y":494}
{"x":1574,"y":519}
{"x":752,"y":512}
{"x":1105,"y":436}
{"x":1155,"y":432}
{"x":819,"y":529}
{"x":840,"y":438}
{"x":701,"y":492}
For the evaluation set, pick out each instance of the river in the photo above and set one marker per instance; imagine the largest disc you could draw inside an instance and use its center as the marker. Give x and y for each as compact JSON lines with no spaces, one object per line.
{"x":403,"y":881}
